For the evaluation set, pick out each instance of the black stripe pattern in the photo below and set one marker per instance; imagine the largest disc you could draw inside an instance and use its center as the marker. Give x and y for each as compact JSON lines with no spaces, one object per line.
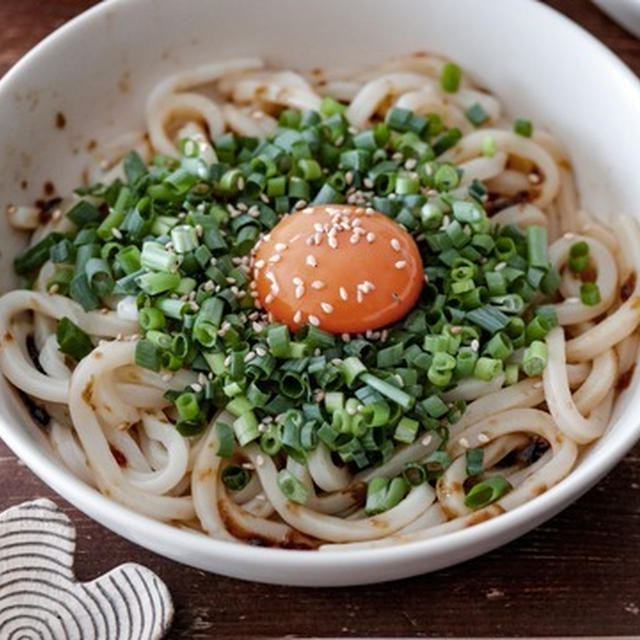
{"x":40,"y":597}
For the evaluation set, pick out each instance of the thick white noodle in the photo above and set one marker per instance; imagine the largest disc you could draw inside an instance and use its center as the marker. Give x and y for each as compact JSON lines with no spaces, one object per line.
{"x":558,"y":396}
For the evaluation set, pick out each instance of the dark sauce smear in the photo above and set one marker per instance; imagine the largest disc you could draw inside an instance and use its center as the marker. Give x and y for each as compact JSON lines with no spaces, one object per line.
{"x":33,"y":354}
{"x":46,"y":207}
{"x":627,"y":287}
{"x":495,"y":203}
{"x":525,"y":456}
{"x":39,"y":414}
{"x":119,"y":456}
{"x":624,"y":380}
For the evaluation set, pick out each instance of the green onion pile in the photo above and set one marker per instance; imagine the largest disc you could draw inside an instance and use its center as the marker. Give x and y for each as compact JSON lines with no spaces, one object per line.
{"x":177,"y":235}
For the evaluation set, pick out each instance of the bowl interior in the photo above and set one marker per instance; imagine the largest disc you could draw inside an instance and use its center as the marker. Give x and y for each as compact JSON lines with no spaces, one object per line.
{"x":98,"y":70}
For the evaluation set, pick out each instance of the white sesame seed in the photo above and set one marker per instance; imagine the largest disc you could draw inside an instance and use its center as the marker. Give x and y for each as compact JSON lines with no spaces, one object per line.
{"x":297,"y":316}
{"x":326,"y":307}
{"x":354,"y":239}
{"x":464,"y":443}
{"x":275,"y":257}
{"x":345,"y":337}
{"x":297,"y":281}
{"x":313,"y":320}
{"x":318,"y":227}
{"x":259,"y":460}
{"x":317,"y":284}
{"x":475,"y":345}
{"x":400,"y":264}
{"x":572,"y":300}
{"x":484,"y":438}
{"x":166,"y":377}
{"x":395,"y":244}
{"x":426,"y":441}
{"x":369,"y":285}
{"x":348,"y":177}
{"x":311,"y":261}
{"x":343,"y":293}
{"x":500,"y":266}
{"x":257,"y":327}
{"x":196,"y":387}
{"x":569,"y":235}
{"x":54,"y":288}
{"x":371,"y":236}
{"x":269,"y":298}
{"x":359,"y":296}
{"x":280,"y":246}
{"x":368,"y":183}
{"x":537,"y":385}
{"x":410,"y":164}
{"x":299,"y":292}
{"x":333,"y":243}
{"x":116,"y":233}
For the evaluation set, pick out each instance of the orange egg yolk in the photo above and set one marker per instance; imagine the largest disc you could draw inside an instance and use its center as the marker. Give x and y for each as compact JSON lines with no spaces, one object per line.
{"x":344,"y":269}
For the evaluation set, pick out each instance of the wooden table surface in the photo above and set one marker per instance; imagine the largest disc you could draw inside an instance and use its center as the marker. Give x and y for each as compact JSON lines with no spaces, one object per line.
{"x":579,"y":574}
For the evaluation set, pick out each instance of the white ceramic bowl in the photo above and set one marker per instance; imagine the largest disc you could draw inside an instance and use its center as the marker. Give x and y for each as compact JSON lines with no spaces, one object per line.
{"x":97,"y":70}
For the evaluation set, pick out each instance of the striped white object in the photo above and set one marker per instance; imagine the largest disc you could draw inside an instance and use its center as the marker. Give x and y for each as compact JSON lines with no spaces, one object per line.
{"x":40,"y":597}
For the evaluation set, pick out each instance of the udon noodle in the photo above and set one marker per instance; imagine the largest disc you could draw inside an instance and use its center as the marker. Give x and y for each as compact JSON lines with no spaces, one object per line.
{"x":112,"y":426}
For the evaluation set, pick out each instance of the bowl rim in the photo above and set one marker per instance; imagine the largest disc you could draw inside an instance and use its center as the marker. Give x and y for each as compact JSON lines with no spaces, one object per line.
{"x":537,"y":510}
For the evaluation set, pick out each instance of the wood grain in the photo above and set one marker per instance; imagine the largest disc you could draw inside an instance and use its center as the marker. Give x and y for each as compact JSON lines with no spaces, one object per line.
{"x":577,"y":575}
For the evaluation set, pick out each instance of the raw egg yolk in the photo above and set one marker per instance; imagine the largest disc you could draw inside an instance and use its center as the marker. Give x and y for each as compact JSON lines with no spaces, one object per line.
{"x":342,"y":268}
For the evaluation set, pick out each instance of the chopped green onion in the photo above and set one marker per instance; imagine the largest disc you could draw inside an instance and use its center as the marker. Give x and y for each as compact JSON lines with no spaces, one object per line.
{"x":235,"y":477}
{"x":523,"y":127}
{"x":450,"y":77}
{"x":225,"y":440}
{"x":148,"y":355}
{"x":388,"y":390}
{"x":292,"y":488}
{"x":535,"y":358}
{"x":579,"y":257}
{"x":72,"y":340}
{"x":487,"y":368}
{"x":475,"y":461}
{"x":589,"y":293}
{"x":384,"y":494}
{"x":245,"y":427}
{"x":183,"y":238}
{"x":486,"y":492}
{"x":537,"y":246}
{"x":476,"y":114}
{"x":156,"y":258}
{"x":488,"y":318}
{"x":489,"y":146}
{"x":187,"y":406}
{"x":406,"y":430}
